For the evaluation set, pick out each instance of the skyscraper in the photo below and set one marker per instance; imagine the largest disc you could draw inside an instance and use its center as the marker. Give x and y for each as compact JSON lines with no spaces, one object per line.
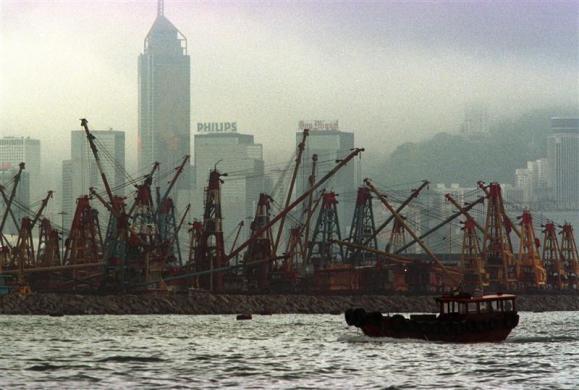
{"x":164,"y":99}
{"x":563,"y":158}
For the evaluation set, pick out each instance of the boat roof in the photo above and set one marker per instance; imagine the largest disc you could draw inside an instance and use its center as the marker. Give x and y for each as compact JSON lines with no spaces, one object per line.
{"x":468,"y":298}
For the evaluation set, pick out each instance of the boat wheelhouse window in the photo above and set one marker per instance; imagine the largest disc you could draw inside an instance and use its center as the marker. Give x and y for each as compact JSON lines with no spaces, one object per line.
{"x":508,"y":305}
{"x":467,"y":307}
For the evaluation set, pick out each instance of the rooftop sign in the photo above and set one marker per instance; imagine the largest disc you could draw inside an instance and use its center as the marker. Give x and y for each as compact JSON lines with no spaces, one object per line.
{"x":217,"y":127}
{"x":319,"y":125}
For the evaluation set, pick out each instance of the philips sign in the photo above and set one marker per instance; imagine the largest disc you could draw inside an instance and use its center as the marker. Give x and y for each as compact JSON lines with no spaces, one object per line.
{"x":217,"y":127}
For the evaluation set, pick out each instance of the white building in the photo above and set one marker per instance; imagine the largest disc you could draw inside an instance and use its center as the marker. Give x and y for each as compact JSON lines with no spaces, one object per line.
{"x":13,"y":151}
{"x":532,"y":184}
{"x":563,"y":158}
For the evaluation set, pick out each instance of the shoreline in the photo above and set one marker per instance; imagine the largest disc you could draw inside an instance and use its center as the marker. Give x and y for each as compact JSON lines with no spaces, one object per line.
{"x":206,"y":303}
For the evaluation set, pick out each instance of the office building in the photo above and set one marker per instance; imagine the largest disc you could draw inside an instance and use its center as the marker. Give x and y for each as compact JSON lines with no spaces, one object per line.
{"x":563,"y":160}
{"x":13,"y":151}
{"x":164,"y":100}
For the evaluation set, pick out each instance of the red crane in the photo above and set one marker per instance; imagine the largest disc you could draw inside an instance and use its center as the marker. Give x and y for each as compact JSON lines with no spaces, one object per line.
{"x":258,"y":271}
{"x":210,"y":251}
{"x":556,"y":276}
{"x":569,"y":256}
{"x":497,"y":248}
{"x":531,"y":275}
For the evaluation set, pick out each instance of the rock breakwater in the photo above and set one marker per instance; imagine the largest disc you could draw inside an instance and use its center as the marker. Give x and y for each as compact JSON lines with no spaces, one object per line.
{"x":205,"y":303}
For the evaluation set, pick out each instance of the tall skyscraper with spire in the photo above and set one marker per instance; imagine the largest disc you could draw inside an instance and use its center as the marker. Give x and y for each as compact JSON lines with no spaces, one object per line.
{"x":164,"y":99}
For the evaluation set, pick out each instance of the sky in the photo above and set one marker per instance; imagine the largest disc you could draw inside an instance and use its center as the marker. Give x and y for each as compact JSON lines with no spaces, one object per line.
{"x":391,"y":71}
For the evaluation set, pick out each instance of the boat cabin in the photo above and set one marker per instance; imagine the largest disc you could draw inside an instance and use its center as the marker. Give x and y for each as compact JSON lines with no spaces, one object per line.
{"x":466,"y":304}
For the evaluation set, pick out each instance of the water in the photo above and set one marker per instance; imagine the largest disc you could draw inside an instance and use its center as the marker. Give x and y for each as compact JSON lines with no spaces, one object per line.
{"x":280,"y":351}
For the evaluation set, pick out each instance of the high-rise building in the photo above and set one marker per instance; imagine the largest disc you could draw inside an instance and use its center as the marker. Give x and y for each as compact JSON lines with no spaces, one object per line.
{"x":13,"y":151}
{"x":80,"y":172}
{"x":563,"y":159}
{"x":532,"y":185}
{"x":164,"y":100}
{"x":242,"y":159}
{"x":476,"y":121}
{"x":330,"y":144}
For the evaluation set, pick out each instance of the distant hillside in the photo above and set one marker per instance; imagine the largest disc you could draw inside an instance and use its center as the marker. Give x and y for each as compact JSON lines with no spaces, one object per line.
{"x":449,"y":158}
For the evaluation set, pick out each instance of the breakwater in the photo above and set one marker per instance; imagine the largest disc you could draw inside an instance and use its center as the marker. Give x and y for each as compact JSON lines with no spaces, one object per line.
{"x":205,"y":303}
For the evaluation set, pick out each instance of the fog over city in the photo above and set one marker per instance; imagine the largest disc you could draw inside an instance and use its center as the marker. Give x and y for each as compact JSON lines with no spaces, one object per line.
{"x":389,"y":71}
{"x":289,"y":193}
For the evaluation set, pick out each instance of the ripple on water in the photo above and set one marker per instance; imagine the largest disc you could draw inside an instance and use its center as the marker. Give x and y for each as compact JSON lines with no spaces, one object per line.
{"x":282,"y":351}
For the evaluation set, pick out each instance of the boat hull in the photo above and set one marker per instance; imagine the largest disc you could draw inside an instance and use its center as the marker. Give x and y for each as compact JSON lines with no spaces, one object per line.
{"x":457,"y":329}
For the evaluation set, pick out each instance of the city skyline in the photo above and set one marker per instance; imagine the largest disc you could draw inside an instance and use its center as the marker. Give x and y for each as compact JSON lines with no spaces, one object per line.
{"x":396,"y":91}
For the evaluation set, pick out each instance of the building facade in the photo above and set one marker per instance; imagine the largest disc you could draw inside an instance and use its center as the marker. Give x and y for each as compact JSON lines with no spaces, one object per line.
{"x":13,"y":151}
{"x":563,"y":160}
{"x":532,"y":188}
{"x":164,"y":100}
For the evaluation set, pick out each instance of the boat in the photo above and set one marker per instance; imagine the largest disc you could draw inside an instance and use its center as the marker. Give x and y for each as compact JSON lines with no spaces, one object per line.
{"x":462,"y":318}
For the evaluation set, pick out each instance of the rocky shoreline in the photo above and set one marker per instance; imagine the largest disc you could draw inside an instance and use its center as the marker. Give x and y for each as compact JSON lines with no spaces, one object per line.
{"x":205,"y":303}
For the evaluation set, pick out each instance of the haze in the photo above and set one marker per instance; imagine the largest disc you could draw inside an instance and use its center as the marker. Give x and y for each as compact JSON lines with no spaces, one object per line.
{"x":390,"y":71}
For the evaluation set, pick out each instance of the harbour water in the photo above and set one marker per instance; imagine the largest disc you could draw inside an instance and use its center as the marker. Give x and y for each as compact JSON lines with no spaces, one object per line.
{"x":279,"y":351}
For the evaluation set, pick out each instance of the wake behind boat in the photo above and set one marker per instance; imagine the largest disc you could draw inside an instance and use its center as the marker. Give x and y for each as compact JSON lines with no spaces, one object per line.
{"x":462,"y":319}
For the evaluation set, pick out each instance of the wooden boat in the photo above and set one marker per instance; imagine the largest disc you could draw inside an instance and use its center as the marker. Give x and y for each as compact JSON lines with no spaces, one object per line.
{"x":462,"y":318}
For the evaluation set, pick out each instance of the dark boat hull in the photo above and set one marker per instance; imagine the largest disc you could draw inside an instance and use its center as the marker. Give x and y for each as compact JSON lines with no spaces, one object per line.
{"x":457,"y":329}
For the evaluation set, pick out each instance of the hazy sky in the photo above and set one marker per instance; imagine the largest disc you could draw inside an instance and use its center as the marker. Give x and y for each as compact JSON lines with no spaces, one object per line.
{"x":390,"y":71}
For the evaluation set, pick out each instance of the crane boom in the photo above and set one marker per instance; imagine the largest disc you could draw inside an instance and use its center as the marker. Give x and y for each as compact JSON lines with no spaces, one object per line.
{"x":300,"y":199}
{"x":41,"y":209}
{"x":408,"y":229}
{"x":463,"y":212}
{"x":406,"y":202}
{"x":178,"y":172}
{"x":301,"y":148}
{"x":5,"y":198}
{"x":503,"y":211}
{"x":93,"y":148}
{"x":12,"y":195}
{"x":435,"y":228}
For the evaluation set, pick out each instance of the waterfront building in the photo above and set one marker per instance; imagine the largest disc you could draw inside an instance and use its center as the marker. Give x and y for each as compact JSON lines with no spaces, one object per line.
{"x":532,"y":184}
